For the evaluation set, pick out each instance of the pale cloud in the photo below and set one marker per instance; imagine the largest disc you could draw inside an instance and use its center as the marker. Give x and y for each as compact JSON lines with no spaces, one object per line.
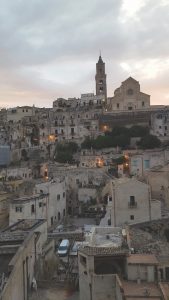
{"x":130,"y":9}
{"x":49,"y":48}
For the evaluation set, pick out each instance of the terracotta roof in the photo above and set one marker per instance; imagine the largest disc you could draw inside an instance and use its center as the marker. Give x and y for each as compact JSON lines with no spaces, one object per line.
{"x":104,"y":251}
{"x":146,"y":259}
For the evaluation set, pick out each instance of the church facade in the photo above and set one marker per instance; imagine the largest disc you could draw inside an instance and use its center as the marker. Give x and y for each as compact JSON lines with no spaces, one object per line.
{"x":128,"y":97}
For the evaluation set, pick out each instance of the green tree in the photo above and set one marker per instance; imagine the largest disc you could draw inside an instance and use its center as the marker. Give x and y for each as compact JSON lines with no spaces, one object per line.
{"x":102,"y":142}
{"x":149,"y":142}
{"x":121,"y":140}
{"x":138,"y":131}
{"x":64,"y":157}
{"x":87,"y":143}
{"x":116,"y":131}
{"x":64,"y":152}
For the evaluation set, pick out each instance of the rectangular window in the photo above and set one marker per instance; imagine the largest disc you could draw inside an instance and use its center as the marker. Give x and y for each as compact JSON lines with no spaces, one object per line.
{"x":132,"y":200}
{"x":40,"y":204}
{"x":132,"y":217}
{"x":118,"y":105}
{"x":83,"y":260}
{"x":58,"y":197}
{"x":63,"y":194}
{"x":165,"y":127}
{"x":18,"y":208}
{"x":134,"y":163}
{"x":32,"y":208}
{"x":146,"y":164}
{"x":142,"y":103}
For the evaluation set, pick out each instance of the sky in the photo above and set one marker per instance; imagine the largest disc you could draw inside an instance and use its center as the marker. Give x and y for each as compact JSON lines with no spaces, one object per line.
{"x":49,"y":48}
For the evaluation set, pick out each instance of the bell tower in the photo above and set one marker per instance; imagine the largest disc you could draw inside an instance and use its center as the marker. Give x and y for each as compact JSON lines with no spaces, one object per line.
{"x":101,"y":87}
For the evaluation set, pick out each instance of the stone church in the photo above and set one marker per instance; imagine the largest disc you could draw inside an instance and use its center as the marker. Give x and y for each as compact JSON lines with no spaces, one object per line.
{"x":127,"y":97}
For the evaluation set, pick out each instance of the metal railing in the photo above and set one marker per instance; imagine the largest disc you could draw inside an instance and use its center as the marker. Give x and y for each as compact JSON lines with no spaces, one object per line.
{"x":132,"y":205}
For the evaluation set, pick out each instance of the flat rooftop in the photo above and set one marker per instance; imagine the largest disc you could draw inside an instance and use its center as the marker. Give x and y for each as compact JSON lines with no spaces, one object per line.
{"x":146,"y":259}
{"x":143,"y":290}
{"x":29,"y":198}
{"x":105,"y":237}
{"x":23,"y":226}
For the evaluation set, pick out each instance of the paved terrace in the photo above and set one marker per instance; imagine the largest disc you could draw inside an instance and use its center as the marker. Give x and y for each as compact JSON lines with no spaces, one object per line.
{"x":133,"y":290}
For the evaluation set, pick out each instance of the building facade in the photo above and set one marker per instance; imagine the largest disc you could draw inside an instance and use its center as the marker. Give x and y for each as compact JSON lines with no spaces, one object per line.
{"x":128,"y":97}
{"x":130,"y":202}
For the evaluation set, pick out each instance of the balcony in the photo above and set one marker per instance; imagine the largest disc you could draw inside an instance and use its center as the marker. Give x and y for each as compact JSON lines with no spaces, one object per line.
{"x":132,"y":205}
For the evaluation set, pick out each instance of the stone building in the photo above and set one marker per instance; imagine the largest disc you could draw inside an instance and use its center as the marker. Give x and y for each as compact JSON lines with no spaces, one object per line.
{"x":29,"y":207}
{"x":108,"y":270}
{"x":160,"y":123}
{"x":4,"y":208}
{"x":128,"y":97}
{"x":158,"y":179}
{"x":75,"y":124}
{"x":129,"y":201}
{"x":16,"y":114}
{"x":12,"y":173}
{"x":21,"y":246}
{"x":48,"y":202}
{"x":56,"y":189}
{"x":140,"y":163}
{"x":4,"y":155}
